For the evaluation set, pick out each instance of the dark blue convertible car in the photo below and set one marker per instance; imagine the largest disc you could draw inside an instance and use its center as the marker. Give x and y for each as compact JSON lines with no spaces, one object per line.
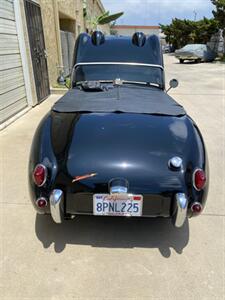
{"x":116,"y":144}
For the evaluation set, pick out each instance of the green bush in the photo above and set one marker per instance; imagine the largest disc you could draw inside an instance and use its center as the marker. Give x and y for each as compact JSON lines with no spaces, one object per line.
{"x":68,"y":82}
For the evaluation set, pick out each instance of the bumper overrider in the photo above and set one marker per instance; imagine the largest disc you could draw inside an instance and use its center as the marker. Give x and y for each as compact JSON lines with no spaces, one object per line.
{"x":57,"y":207}
{"x":181,"y":205}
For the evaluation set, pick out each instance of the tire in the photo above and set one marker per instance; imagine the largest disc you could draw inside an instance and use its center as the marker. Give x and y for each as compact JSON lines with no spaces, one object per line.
{"x":181,"y":61}
{"x":198,"y":61}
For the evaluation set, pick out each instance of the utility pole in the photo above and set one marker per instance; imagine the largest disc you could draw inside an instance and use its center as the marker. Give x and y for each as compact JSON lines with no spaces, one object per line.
{"x":195,"y":14}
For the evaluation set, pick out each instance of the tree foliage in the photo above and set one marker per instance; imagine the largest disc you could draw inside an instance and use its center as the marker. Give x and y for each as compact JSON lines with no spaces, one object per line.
{"x":182,"y":32}
{"x":105,"y":18}
{"x":219,"y":12}
{"x":113,"y":31}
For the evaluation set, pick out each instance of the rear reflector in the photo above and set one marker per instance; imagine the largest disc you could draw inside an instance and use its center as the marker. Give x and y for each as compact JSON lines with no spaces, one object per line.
{"x":41,"y":202}
{"x":196,"y":207}
{"x":199,"y":179}
{"x":40,"y":175}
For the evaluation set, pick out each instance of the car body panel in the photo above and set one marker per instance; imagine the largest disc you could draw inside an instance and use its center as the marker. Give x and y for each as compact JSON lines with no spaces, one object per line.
{"x":120,"y":145}
{"x":117,"y":49}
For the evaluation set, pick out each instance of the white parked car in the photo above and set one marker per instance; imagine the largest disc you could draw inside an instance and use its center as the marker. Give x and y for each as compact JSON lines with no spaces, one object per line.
{"x":196,"y":52}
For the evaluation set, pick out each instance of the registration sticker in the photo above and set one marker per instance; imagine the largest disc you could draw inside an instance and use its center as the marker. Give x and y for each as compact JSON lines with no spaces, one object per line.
{"x":117,"y":205}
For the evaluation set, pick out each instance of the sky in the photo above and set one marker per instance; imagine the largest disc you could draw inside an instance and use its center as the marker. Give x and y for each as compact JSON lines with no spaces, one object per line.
{"x":153,"y":12}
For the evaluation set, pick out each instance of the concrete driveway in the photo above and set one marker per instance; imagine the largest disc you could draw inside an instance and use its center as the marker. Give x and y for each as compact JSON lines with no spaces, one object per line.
{"x":113,"y":258}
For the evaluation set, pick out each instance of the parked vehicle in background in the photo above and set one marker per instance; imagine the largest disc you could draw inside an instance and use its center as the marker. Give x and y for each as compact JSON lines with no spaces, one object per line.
{"x":196,"y":52}
{"x":166,"y":49}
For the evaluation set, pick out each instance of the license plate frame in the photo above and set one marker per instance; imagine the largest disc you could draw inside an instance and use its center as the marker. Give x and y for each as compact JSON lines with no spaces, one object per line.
{"x":126,"y":205}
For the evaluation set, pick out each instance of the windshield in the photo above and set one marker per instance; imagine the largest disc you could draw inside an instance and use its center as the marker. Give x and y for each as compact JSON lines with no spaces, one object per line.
{"x":124,"y":72}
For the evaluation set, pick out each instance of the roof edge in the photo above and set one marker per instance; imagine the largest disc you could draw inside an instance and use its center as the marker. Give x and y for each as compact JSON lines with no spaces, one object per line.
{"x":136,"y":27}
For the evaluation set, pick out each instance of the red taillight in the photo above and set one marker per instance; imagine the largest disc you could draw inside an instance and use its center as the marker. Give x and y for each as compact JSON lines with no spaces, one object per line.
{"x":196,"y":207}
{"x":199,"y":179}
{"x":40,"y":175}
{"x":41,"y":202}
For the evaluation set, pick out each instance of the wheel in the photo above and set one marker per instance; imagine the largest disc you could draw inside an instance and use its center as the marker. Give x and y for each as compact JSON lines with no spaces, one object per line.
{"x":198,"y":60}
{"x":181,"y":61}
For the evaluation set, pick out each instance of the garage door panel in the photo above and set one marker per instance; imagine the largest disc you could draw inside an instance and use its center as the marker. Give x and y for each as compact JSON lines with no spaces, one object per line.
{"x":9,"y":44}
{"x":12,"y":87}
{"x":9,"y":98}
{"x":7,"y":10}
{"x":11,"y":110}
{"x":10,"y":61}
{"x":11,"y":79}
{"x":7,"y":26}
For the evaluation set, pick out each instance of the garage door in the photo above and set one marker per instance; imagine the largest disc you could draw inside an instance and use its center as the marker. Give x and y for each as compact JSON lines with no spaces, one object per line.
{"x":12,"y":88}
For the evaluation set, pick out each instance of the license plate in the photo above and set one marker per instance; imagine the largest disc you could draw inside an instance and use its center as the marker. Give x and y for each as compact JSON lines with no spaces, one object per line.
{"x":117,"y":205}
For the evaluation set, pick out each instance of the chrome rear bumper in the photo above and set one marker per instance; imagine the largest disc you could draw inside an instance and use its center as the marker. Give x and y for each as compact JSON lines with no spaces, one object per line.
{"x":181,"y":203}
{"x":57,"y":205}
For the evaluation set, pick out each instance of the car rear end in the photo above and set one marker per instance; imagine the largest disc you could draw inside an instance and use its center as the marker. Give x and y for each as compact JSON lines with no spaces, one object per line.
{"x":131,"y":165}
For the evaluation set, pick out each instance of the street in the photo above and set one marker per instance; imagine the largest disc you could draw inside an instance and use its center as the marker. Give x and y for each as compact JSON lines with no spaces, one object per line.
{"x":115,"y":258}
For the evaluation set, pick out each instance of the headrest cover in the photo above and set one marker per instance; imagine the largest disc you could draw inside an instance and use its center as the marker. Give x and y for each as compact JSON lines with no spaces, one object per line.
{"x":97,"y":38}
{"x":139,"y":39}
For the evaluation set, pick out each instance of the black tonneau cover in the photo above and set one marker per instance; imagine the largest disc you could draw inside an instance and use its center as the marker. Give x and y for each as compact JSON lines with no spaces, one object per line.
{"x":128,"y":99}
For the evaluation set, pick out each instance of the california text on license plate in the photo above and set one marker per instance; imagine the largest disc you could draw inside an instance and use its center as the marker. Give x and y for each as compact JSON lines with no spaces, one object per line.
{"x":117,"y":205}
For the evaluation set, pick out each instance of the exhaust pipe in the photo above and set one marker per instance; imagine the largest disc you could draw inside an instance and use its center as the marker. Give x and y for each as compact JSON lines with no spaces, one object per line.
{"x":57,"y":205}
{"x":181,"y":209}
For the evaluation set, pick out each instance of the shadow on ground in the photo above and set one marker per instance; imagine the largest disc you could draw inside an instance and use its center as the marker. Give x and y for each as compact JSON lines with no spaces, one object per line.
{"x":113,"y":233}
{"x":189,"y":62}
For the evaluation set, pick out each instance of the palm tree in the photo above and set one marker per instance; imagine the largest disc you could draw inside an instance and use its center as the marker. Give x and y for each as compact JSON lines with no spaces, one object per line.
{"x":105,"y":18}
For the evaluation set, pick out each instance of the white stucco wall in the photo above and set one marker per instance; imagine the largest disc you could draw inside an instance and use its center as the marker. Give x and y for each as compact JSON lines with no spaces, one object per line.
{"x":131,"y":29}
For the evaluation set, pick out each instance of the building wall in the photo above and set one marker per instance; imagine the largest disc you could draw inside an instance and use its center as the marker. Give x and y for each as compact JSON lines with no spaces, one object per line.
{"x":66,"y":15}
{"x":57,"y":15}
{"x":50,"y":33}
{"x":130,"y":29}
{"x":60,"y":15}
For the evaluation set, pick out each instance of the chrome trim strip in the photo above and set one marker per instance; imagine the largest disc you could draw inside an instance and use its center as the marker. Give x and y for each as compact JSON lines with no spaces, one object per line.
{"x":78,"y":213}
{"x":118,"y":189}
{"x":56,"y":205}
{"x":118,"y":63}
{"x":122,"y":185}
{"x":181,"y":209}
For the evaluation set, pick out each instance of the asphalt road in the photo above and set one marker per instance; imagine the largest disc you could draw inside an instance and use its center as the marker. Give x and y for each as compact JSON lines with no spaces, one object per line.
{"x":114,"y":258}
